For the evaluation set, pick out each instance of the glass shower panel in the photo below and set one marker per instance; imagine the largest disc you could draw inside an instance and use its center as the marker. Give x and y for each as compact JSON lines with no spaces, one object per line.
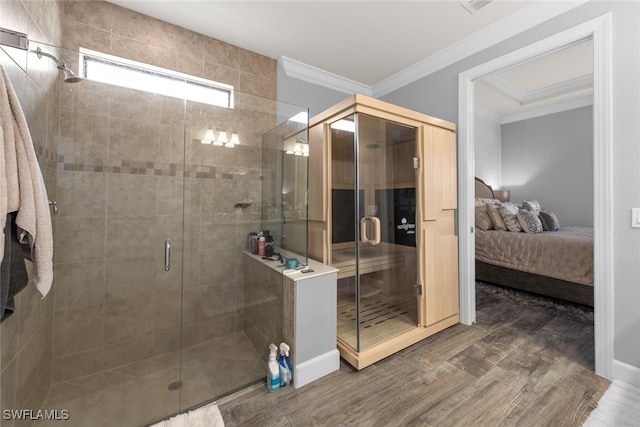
{"x":230,"y":312}
{"x":118,"y":253}
{"x":386,"y":249}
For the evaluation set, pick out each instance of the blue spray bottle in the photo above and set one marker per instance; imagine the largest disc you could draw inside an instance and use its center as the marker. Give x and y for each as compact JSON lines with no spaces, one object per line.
{"x":286,"y":372}
{"x":273,"y":372}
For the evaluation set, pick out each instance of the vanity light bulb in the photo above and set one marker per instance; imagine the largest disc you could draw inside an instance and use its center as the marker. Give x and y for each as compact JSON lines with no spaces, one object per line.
{"x":222,"y":137}
{"x":208,"y":137}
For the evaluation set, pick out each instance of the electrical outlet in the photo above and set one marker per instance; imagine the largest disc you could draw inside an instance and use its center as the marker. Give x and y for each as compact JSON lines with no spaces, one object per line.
{"x":635,"y":217}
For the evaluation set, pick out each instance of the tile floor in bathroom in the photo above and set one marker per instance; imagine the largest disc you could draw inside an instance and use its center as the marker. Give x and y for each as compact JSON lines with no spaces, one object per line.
{"x":138,"y":394}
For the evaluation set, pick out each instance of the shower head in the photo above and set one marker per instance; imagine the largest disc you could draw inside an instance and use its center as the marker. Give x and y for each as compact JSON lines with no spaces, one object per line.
{"x":69,"y":76}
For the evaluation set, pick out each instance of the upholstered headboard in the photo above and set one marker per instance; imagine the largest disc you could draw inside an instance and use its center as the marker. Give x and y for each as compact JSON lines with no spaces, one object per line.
{"x":483,"y":190}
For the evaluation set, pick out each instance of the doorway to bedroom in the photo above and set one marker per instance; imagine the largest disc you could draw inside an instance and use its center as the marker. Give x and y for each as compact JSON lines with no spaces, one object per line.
{"x":474,"y":81}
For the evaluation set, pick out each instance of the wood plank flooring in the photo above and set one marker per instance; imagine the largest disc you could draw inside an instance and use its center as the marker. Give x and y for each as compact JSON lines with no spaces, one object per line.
{"x":526,"y":362}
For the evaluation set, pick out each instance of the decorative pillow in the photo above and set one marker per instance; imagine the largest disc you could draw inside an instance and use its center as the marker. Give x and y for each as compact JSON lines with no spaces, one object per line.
{"x":529,"y":221}
{"x":508,"y":211}
{"x":481,"y":201}
{"x":549,"y":220}
{"x":531,"y":205}
{"x":483,"y":222}
{"x":495,"y":217}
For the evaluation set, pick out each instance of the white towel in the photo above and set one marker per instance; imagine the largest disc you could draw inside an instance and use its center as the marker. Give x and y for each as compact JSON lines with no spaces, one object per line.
{"x":22,"y":187}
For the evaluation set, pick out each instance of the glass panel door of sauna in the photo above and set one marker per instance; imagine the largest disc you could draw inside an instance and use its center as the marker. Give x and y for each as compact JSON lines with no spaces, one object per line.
{"x":386,"y":272}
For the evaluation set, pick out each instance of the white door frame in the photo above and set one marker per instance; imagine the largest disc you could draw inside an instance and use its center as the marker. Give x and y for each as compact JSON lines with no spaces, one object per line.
{"x":600,"y":30}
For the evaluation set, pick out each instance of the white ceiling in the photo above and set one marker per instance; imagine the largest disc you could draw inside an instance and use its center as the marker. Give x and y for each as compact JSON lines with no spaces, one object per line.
{"x":364,"y":42}
{"x":558,"y":81}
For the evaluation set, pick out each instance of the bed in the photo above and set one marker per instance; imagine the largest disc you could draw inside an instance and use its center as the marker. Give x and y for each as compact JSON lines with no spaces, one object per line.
{"x":557,"y":264}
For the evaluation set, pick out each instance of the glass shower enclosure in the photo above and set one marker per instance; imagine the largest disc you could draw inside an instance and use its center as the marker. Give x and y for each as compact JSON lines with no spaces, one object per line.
{"x":149,"y":300}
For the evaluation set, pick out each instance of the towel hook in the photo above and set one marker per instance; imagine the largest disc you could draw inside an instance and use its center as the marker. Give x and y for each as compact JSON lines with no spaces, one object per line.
{"x":54,"y":204}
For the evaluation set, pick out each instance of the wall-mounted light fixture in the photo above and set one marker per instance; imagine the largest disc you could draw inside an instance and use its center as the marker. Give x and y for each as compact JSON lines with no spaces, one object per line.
{"x":221,"y":140}
{"x":300,"y":148}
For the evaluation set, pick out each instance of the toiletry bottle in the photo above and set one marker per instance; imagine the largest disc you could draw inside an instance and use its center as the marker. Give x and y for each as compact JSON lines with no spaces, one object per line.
{"x":284,"y":364}
{"x":269,"y":250}
{"x":273,"y":372}
{"x":261,"y":246}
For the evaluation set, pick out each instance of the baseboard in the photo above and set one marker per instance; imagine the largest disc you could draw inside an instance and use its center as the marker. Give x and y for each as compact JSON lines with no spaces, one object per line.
{"x":626,"y":373}
{"x":315,"y":368}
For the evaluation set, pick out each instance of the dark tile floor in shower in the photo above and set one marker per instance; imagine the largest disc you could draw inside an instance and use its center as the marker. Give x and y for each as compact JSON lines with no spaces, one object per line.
{"x":138,"y":394}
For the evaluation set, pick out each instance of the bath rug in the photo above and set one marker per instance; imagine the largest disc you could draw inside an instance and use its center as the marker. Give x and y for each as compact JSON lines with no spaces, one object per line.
{"x":205,"y":416}
{"x":619,"y":406}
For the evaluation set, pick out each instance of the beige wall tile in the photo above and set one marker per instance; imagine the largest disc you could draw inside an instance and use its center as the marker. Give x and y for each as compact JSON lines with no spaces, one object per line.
{"x":78,"y":329}
{"x":81,"y":194}
{"x":221,"y":73}
{"x":135,"y":26}
{"x":182,"y":62}
{"x":135,"y":141}
{"x":28,"y":313}
{"x":128,"y":319}
{"x":79,"y":239}
{"x":221,"y":53}
{"x":254,"y":63}
{"x":257,"y":85}
{"x":8,"y":384}
{"x":32,"y":363}
{"x":93,"y":13}
{"x":132,"y":195}
{"x":131,"y":236}
{"x":131,"y":277}
{"x":76,"y":35}
{"x":136,"y":50}
{"x":79,"y":285}
{"x":182,"y":40}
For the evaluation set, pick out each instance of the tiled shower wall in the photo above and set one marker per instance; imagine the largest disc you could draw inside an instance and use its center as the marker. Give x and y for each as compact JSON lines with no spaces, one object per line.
{"x":120,"y":185}
{"x":26,"y":337}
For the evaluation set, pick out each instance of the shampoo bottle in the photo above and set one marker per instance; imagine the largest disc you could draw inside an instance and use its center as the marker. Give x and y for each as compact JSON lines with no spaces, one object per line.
{"x":273,"y":372}
{"x":286,"y":372}
{"x":261,"y":246}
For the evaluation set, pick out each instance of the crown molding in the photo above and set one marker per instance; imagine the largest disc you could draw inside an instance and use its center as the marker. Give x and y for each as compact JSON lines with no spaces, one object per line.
{"x":522,"y":20}
{"x":565,"y":106}
{"x":317,"y":76}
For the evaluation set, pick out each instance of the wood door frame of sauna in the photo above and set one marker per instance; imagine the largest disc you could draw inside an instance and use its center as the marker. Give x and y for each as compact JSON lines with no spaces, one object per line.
{"x":600,"y":29}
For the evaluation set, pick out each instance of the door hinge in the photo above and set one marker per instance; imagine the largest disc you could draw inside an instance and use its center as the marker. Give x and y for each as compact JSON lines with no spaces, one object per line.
{"x":416,"y":163}
{"x":417,"y":290}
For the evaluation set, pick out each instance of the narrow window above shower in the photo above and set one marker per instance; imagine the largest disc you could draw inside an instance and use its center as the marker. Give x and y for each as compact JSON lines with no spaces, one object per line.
{"x":124,"y":72}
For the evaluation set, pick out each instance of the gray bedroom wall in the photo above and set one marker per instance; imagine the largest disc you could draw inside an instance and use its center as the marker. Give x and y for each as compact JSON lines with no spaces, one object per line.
{"x":550,"y":158}
{"x":437,"y":95}
{"x":297,"y":92}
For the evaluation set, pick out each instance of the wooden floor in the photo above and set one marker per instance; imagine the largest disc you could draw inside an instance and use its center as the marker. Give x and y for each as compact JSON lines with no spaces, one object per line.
{"x":526,"y":362}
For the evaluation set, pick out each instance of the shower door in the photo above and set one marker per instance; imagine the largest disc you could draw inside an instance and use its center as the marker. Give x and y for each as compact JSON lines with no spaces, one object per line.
{"x":374,"y":229}
{"x":118,"y":252}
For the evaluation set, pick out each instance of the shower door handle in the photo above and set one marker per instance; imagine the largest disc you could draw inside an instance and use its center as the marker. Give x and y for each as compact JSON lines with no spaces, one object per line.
{"x":363,"y":230}
{"x":167,"y":254}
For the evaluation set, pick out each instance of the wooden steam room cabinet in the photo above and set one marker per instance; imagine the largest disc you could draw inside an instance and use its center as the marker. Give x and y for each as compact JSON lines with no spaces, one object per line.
{"x":382,"y":196}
